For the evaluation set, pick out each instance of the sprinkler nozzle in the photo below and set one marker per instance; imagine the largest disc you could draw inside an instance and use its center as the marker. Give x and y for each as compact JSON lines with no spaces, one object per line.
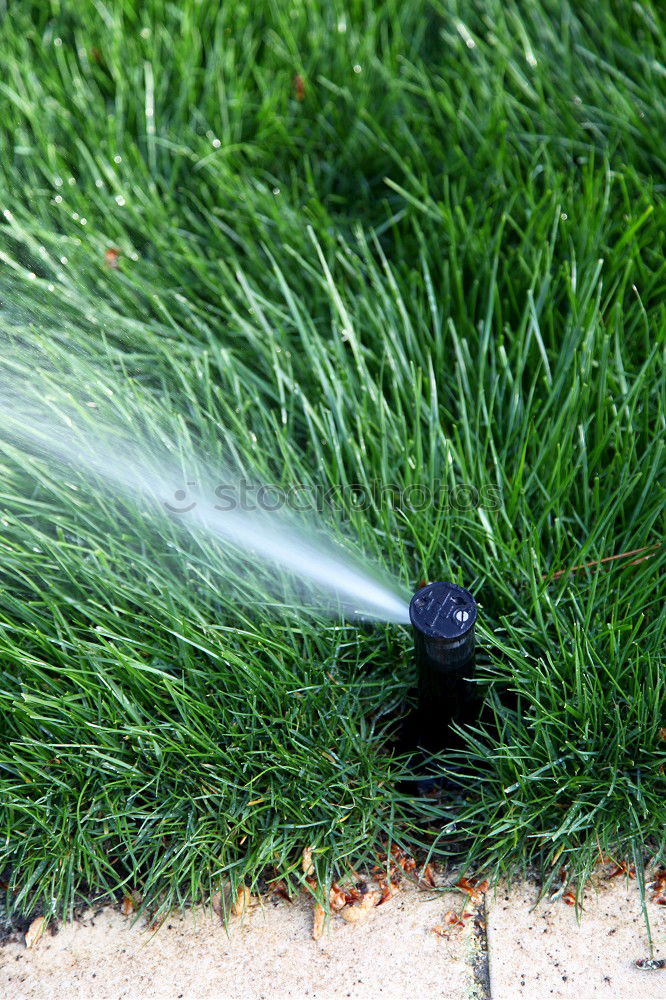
{"x":444,"y":616}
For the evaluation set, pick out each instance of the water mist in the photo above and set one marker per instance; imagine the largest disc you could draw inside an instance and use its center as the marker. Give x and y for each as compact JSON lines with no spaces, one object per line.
{"x":62,"y":437}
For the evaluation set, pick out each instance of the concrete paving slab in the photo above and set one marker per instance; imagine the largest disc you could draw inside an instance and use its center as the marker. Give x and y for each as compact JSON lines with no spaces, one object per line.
{"x":546,"y":953}
{"x":270,"y":953}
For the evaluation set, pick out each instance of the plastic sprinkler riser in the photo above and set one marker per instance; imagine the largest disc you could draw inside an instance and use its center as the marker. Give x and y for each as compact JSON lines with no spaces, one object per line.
{"x":444,"y":616}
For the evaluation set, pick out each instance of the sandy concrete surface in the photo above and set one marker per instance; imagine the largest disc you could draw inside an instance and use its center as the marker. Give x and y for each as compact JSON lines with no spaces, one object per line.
{"x":269,"y":953}
{"x":540,"y":953}
{"x":547,"y":954}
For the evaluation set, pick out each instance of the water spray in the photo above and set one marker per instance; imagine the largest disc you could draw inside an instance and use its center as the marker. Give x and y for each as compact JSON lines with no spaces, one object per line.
{"x":443,"y":616}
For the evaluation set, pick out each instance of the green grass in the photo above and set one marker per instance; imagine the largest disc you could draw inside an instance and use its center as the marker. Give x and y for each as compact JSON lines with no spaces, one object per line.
{"x":447,"y":266}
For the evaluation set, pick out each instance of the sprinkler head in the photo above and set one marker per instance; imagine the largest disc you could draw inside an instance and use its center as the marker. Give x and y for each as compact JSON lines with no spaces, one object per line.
{"x":444,"y":616}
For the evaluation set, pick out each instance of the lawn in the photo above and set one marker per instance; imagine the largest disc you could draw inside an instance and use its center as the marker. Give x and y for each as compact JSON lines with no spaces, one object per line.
{"x":417,"y":244}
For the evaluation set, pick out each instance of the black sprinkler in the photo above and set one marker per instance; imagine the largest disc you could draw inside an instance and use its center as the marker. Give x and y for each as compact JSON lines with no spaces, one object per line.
{"x":443,"y":616}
